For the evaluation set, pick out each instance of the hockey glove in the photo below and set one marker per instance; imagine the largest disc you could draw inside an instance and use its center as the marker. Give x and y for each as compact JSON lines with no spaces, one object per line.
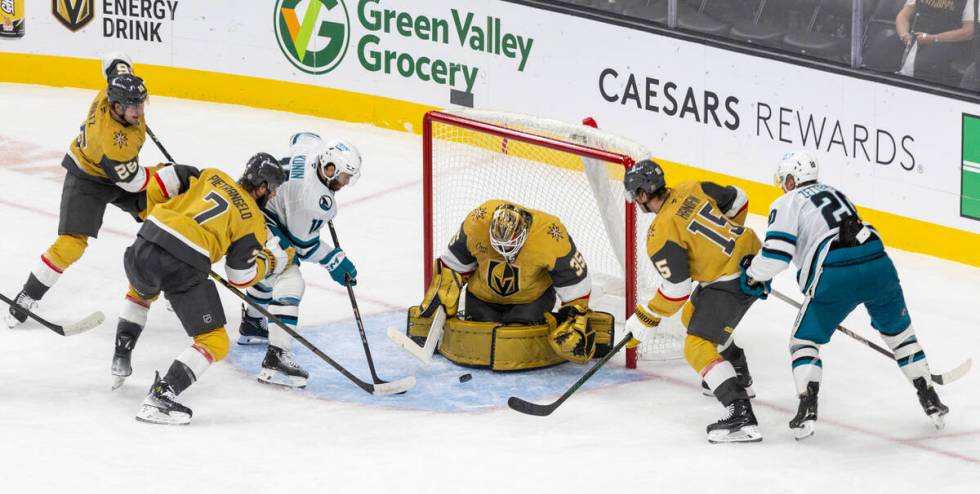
{"x":572,"y":338}
{"x":341,"y":268}
{"x":276,"y":259}
{"x":444,"y":289}
{"x":749,"y":286}
{"x":642,"y":323}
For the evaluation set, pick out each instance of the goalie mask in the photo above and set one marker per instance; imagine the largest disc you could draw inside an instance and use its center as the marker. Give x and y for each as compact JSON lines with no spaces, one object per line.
{"x":508,"y":230}
{"x":346,"y":160}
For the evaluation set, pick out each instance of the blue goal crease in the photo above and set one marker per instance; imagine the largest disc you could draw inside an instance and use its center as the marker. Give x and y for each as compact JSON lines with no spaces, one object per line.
{"x":437,"y":386}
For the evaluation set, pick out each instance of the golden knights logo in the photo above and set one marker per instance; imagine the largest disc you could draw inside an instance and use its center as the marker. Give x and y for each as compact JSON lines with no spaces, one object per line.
{"x":73,"y":14}
{"x":503,"y":278}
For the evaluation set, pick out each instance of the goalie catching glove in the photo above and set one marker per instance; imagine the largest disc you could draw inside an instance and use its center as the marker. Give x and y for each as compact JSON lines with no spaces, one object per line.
{"x":642,"y":323}
{"x":444,"y":289}
{"x":572,"y":338}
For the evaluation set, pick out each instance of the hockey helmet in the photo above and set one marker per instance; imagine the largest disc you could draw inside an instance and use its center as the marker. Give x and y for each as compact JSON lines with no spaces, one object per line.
{"x":127,"y":90}
{"x":800,"y":165}
{"x":344,"y":157}
{"x":263,"y":168}
{"x":508,"y":230}
{"x":645,"y":176}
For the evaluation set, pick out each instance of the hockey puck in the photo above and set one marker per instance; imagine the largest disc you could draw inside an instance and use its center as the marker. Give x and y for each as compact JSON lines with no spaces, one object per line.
{"x":465,"y":377}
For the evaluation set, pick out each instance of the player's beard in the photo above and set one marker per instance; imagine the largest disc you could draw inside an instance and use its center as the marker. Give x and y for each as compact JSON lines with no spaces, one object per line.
{"x":262,"y":201}
{"x":334,"y":186}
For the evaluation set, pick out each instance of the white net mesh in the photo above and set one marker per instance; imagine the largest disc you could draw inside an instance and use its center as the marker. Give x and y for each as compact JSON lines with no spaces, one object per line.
{"x":471,"y":166}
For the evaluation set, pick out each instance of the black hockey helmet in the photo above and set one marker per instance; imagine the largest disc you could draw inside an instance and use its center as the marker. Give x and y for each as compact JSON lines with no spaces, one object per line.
{"x":127,"y":90}
{"x":646,"y":176}
{"x":263,"y":168}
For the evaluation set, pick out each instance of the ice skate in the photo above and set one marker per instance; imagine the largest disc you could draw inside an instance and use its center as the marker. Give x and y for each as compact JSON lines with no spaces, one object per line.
{"x":805,"y":421}
{"x":16,"y":315}
{"x":929,"y":400}
{"x":253,"y":330}
{"x":738,"y":426}
{"x":121,"y":360}
{"x":279,"y":368}
{"x":160,"y":406}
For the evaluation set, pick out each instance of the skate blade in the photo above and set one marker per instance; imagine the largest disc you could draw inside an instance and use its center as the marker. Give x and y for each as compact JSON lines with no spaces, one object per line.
{"x":252,"y":340}
{"x":10,"y":321}
{"x":117,"y":382}
{"x":748,"y":434}
{"x":276,"y":378}
{"x":939,"y":420}
{"x":153,"y":415}
{"x":805,"y":430}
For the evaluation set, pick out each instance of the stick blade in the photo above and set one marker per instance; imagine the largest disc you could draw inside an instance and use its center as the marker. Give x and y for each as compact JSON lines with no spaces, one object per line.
{"x":955,"y":374}
{"x":528,"y":408}
{"x":399,"y":338}
{"x":94,"y":320}
{"x":394,"y":387}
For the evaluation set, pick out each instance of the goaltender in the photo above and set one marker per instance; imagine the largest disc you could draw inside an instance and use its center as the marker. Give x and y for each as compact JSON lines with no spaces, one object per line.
{"x":515,"y":263}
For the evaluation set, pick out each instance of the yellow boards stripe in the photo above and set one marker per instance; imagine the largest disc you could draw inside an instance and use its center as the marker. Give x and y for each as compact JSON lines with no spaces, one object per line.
{"x":898,"y":231}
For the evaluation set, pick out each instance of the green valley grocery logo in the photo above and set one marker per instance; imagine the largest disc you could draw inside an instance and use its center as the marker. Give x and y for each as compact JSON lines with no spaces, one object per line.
{"x":312,"y":34}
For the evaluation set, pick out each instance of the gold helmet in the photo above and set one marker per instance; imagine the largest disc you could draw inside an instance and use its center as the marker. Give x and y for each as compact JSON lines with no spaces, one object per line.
{"x":508,"y":230}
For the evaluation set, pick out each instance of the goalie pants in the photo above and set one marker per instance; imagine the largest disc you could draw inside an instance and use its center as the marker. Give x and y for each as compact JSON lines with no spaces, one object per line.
{"x":530,"y":313}
{"x":151,"y":270}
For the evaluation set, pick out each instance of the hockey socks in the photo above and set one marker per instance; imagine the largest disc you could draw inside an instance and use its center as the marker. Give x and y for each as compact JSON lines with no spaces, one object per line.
{"x":807,"y":366}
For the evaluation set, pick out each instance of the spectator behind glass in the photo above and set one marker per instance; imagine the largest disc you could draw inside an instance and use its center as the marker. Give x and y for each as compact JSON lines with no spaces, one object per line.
{"x":942,"y":29}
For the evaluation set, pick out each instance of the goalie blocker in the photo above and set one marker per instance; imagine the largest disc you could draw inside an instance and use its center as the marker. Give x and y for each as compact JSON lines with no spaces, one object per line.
{"x":513,"y":347}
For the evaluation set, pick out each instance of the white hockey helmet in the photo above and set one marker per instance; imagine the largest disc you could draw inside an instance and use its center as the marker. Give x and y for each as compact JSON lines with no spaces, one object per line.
{"x":801,"y":165}
{"x":345,"y":158}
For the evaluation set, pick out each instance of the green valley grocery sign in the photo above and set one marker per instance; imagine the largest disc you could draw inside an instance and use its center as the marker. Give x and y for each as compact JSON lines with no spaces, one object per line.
{"x":443,"y":49}
{"x":312,"y":34}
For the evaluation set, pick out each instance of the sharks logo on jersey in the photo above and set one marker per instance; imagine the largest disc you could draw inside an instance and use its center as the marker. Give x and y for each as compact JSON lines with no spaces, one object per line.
{"x":326,"y":202}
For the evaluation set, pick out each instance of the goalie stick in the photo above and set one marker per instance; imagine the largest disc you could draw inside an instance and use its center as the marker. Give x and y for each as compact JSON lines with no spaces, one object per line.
{"x":423,"y":353}
{"x":944,"y":378}
{"x":357,"y":313}
{"x":529,"y":408}
{"x":93,"y":320}
{"x":390,"y":388}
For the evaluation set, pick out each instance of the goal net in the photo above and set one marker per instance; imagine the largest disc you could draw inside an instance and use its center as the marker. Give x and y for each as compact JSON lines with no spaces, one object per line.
{"x":573,"y":171}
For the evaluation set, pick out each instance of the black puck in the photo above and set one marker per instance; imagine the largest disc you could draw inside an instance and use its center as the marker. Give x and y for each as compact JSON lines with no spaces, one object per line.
{"x":465,"y":377}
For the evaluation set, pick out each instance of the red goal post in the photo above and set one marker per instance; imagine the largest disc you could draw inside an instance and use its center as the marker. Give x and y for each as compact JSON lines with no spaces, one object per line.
{"x":570,"y":170}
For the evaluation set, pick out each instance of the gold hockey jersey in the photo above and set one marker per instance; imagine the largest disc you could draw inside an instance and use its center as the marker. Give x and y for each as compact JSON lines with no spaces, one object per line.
{"x":695,"y":238}
{"x":108,"y":150}
{"x":548,"y":258}
{"x":200,"y":216}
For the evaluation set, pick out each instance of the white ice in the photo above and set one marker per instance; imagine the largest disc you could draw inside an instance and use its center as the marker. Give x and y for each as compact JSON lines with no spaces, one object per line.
{"x":62,"y":430}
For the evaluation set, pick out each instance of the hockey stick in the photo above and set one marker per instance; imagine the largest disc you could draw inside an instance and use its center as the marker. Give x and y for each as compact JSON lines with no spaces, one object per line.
{"x":159,"y":145}
{"x":357,"y":313}
{"x":529,"y":408}
{"x":423,"y":353}
{"x":93,"y":320}
{"x":390,"y":388}
{"x":944,"y":378}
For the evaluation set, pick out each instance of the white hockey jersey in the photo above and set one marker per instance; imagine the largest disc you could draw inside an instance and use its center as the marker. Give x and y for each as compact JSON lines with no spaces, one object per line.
{"x":802,"y":225}
{"x":303,"y":204}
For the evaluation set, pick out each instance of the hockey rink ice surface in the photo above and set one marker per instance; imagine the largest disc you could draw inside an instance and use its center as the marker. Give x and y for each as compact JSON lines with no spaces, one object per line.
{"x":63,"y":430}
